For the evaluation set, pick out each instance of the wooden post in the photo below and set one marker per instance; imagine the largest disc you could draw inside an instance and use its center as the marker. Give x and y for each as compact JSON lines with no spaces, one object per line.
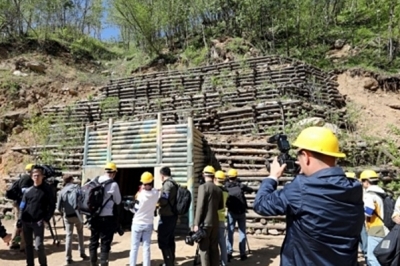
{"x":109,"y":139}
{"x":159,"y":138}
{"x":85,"y":152}
{"x":190,"y":168}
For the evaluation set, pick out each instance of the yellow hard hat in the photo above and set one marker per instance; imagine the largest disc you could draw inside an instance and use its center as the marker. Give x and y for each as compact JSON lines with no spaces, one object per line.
{"x":369,"y":175}
{"x":350,"y":174}
{"x":220,"y":175}
{"x":146,"y":178}
{"x":209,"y":170}
{"x":232,"y":173}
{"x":28,"y":167}
{"x":111,"y":166}
{"x":320,"y":140}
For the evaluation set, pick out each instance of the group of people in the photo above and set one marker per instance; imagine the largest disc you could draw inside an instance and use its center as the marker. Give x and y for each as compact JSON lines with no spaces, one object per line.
{"x":220,"y":202}
{"x":374,"y":228}
{"x":328,"y":214}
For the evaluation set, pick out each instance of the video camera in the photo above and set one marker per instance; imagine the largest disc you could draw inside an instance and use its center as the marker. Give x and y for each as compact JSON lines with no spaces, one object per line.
{"x":195,"y":236}
{"x":129,"y":202}
{"x":49,"y":171}
{"x":284,"y":157}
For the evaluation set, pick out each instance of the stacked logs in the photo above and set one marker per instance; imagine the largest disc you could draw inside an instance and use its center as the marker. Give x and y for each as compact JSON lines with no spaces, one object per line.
{"x":249,"y":156}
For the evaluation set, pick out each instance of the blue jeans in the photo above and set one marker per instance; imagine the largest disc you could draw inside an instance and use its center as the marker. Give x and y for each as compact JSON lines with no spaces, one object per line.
{"x":364,"y":243}
{"x":241,"y":220}
{"x":373,"y":241}
{"x":140,"y":231}
{"x":222,"y":243}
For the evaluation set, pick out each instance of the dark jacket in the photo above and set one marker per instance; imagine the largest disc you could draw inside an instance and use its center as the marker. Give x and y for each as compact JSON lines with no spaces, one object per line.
{"x":38,"y":204}
{"x":209,"y":201}
{"x":3,"y":231}
{"x":236,"y":202}
{"x":324,"y":217}
{"x":167,"y":197}
{"x":25,"y":181}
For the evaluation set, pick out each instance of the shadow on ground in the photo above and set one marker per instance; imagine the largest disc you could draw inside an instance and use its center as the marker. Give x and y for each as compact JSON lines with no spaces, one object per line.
{"x":261,"y":256}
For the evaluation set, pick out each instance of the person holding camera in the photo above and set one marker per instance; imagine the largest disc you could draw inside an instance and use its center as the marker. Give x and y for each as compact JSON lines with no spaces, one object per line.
{"x":237,"y":208}
{"x":324,"y":209}
{"x":168,"y":217}
{"x":219,"y":181}
{"x":105,"y":225}
{"x":37,"y":207}
{"x":25,"y":181}
{"x":142,"y":222}
{"x":65,"y":205}
{"x":209,"y":201}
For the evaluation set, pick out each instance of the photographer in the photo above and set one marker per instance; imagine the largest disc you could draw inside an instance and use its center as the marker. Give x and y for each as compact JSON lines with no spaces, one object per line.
{"x":142,"y":223}
{"x":237,"y":208}
{"x":25,"y":181}
{"x":323,"y":208}
{"x":209,"y":201}
{"x":37,"y":207}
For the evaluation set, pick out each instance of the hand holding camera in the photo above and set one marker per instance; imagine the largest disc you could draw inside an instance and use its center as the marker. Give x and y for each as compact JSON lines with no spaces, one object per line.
{"x":284,"y":158}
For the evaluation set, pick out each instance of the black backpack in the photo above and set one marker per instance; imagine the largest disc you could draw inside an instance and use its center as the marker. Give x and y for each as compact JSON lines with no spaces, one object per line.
{"x":388,"y":208}
{"x":236,"y":201}
{"x":92,"y":196}
{"x":183,"y":200}
{"x":14,"y":192}
{"x":387,"y":252}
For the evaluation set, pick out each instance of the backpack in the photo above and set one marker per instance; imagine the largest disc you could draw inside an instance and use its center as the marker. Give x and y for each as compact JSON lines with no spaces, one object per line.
{"x":387,"y":251}
{"x":388,"y":208}
{"x":71,"y":199}
{"x":236,"y":202}
{"x":14,"y":192}
{"x":92,"y":196}
{"x":183,"y":200}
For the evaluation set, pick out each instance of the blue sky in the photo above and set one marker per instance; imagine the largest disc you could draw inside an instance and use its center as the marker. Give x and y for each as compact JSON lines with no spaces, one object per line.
{"x":109,"y":32}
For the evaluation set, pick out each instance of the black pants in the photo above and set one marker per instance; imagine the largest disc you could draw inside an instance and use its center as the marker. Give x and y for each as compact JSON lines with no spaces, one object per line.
{"x":102,"y":228}
{"x":34,"y":234}
{"x":166,"y":232}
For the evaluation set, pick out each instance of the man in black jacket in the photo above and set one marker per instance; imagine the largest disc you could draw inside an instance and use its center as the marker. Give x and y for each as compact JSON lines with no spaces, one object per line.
{"x":25,"y":181}
{"x":237,"y":208}
{"x":37,"y":207}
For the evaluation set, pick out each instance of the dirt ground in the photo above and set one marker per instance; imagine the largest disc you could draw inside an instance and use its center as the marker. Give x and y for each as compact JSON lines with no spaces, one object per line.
{"x":263,"y":251}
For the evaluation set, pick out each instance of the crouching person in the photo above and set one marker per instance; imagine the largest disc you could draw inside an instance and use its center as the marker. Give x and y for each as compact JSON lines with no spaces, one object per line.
{"x":36,"y":208}
{"x":142,"y":223}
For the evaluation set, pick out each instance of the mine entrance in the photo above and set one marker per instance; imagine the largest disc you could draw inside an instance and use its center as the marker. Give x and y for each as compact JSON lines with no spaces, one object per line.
{"x":129,"y":182}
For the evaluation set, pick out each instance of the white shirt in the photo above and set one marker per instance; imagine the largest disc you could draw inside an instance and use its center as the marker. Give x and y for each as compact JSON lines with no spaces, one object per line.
{"x":144,"y":210}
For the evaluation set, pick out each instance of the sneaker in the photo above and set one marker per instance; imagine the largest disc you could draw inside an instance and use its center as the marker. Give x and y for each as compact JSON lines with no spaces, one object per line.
{"x":68,"y":262}
{"x":84,"y":257}
{"x":243,"y":257}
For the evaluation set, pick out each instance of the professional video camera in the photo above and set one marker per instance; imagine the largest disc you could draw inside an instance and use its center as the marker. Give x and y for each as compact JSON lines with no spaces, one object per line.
{"x":49,"y":171}
{"x":195,"y":236}
{"x":284,"y":157}
{"x":129,"y":202}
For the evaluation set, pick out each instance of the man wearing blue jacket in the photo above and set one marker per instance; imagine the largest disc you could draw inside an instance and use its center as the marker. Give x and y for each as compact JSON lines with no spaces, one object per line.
{"x":324,"y":209}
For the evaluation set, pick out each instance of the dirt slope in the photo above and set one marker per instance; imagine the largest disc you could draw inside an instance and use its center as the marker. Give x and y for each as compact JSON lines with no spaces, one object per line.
{"x":370,"y":108}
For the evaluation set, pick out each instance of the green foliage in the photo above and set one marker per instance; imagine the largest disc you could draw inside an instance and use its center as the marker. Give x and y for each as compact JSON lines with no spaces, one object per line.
{"x":109,"y":107}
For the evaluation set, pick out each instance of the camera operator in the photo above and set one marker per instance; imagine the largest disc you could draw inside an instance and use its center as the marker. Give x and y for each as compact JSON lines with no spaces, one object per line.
{"x":37,"y":207}
{"x":25,"y":181}
{"x":209,"y":201}
{"x":142,"y":223}
{"x":104,"y":226}
{"x":237,"y":208}
{"x":324,"y":209}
